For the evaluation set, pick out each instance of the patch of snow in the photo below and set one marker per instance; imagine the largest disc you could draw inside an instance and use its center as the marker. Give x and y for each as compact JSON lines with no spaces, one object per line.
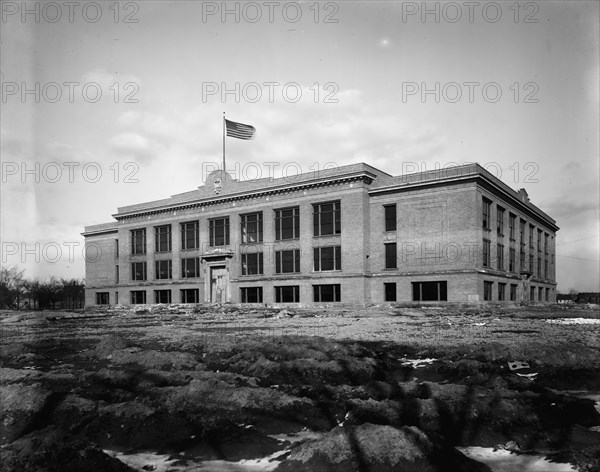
{"x":572,"y":321}
{"x":501,"y":460}
{"x":165,"y":463}
{"x":416,"y":363}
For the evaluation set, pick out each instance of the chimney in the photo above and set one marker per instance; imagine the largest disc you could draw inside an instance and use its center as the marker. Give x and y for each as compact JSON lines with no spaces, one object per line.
{"x":523,"y":195}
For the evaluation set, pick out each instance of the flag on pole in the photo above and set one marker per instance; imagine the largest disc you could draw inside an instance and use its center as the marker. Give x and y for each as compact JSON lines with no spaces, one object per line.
{"x":239,"y":130}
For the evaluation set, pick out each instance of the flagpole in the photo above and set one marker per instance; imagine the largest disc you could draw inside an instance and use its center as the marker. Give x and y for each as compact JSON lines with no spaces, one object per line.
{"x":223,"y":141}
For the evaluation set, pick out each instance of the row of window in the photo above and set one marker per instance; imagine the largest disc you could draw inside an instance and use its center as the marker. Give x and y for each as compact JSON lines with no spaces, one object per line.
{"x":512,"y":221}
{"x":326,"y":221}
{"x":421,"y":292}
{"x":543,"y":294}
{"x":286,"y":262}
{"x":500,"y":265}
{"x":283,"y":294}
{"x":322,"y":293}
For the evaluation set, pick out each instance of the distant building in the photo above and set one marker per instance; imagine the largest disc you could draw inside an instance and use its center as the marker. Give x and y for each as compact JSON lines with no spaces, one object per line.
{"x":588,"y":297}
{"x":565,"y":298}
{"x":353,"y":235}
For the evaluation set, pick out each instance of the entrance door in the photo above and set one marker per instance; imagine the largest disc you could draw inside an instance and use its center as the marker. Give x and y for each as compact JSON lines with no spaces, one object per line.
{"x":218,"y":284}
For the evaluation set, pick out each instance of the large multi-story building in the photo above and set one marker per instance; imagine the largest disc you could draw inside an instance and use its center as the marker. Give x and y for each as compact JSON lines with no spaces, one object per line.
{"x":352,"y":235}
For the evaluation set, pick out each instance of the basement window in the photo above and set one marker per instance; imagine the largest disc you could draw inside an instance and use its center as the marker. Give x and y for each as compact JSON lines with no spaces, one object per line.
{"x":430,"y":291}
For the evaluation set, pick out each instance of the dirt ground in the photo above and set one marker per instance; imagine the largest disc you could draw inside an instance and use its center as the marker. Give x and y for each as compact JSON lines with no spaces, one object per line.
{"x":384,"y":388}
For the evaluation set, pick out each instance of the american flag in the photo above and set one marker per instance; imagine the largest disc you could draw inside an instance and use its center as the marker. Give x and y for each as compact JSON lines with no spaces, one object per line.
{"x":239,"y":130}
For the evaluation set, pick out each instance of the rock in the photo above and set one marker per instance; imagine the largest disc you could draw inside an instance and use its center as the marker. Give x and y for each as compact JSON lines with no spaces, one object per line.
{"x":376,"y":448}
{"x":110,"y":344}
{"x":20,"y":405}
{"x":8,"y":375}
{"x":49,"y":450}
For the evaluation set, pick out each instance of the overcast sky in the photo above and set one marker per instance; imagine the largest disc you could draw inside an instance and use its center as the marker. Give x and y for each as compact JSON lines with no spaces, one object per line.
{"x":108,"y":104}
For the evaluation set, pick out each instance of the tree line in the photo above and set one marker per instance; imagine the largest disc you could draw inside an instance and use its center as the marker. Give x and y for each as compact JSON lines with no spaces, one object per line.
{"x":18,"y":292}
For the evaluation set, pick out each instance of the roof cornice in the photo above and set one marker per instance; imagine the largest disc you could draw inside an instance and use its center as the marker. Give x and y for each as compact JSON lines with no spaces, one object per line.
{"x":477,"y":174}
{"x":249,"y":194}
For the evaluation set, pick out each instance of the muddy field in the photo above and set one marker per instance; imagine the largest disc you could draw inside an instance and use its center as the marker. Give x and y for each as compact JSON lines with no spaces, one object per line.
{"x":228,"y":388}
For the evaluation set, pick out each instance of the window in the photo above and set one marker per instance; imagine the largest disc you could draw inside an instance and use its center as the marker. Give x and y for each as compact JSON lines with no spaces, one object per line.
{"x":539,"y":240}
{"x":102,"y":298}
{"x":540,"y":294}
{"x":138,"y":297}
{"x":251,"y":294}
{"x":532,"y":294}
{"x":486,"y":253}
{"x":116,"y":248}
{"x":487,"y":290}
{"x":522,"y":232}
{"x":500,"y":220}
{"x":547,"y":294}
{"x":138,"y":271}
{"x":531,"y":231}
{"x":252,"y":228}
{"x":190,"y":235}
{"x":287,"y":294}
{"x":500,"y":256}
{"x":116,"y":274}
{"x":430,"y":291}
{"x":190,"y":295}
{"x":390,"y":217}
{"x":138,"y":241}
{"x":162,"y":296}
{"x":522,"y":261}
{"x":513,"y":292}
{"x":328,"y":258}
{"x":116,"y":298}
{"x":326,"y":219}
{"x":546,"y":268}
{"x":252,"y":264}
{"x":511,"y":225}
{"x":531,"y":266}
{"x":391,"y":258}
{"x":539,"y":267}
{"x":219,"y":231}
{"x":162,"y":235}
{"x":163,"y":270}
{"x":545,"y":243}
{"x":326,"y":293}
{"x":287,"y":261}
{"x":287,"y":223}
{"x":486,"y":213}
{"x":190,"y":268}
{"x":512,"y":257}
{"x":501,"y":292}
{"x":389,"y":290}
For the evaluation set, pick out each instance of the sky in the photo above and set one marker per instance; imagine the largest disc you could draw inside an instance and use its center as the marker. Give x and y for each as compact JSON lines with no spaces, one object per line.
{"x":107,"y":104}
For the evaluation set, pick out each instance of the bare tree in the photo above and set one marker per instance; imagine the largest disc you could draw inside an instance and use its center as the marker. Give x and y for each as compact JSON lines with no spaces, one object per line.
{"x":11,"y":287}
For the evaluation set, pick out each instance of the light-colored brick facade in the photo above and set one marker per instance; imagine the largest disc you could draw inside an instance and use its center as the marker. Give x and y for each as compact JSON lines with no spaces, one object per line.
{"x":353,"y":235}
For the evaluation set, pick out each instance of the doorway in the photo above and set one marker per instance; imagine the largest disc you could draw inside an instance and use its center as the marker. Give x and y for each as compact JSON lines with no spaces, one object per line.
{"x":219,"y":281}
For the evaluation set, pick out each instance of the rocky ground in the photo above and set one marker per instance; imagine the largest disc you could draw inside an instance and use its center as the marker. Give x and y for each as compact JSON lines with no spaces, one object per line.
{"x":387,"y":388}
